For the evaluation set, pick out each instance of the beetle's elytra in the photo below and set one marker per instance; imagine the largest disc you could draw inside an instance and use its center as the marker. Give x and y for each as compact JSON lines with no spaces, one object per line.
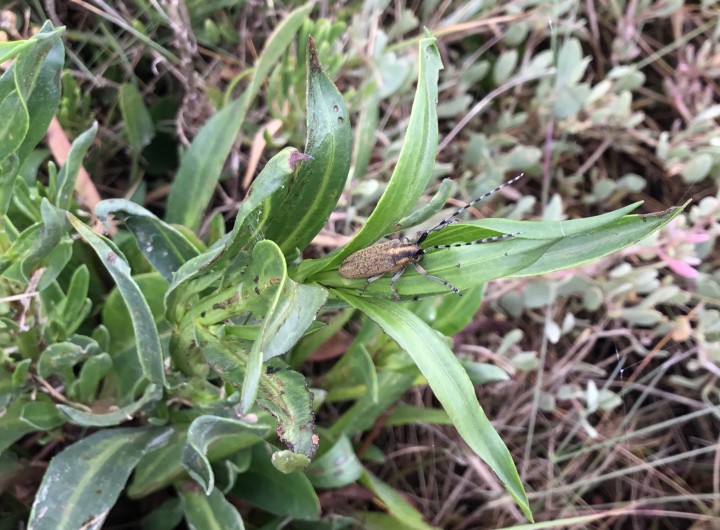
{"x":395,"y":255}
{"x":381,"y":258}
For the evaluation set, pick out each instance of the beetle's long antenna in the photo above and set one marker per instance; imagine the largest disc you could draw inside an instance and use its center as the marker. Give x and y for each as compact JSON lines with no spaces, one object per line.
{"x":449,"y":220}
{"x":476,"y":242}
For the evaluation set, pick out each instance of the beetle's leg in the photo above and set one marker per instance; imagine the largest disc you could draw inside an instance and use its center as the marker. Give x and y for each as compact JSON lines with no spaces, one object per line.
{"x":371,"y":279}
{"x":394,"y":278}
{"x":436,"y":279}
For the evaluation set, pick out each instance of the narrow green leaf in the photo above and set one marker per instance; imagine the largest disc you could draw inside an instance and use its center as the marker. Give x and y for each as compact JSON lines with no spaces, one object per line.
{"x":69,"y":172}
{"x":23,"y":196}
{"x":21,"y":372}
{"x":14,"y":126}
{"x":10,"y":50}
{"x":295,"y":311}
{"x":365,"y":129}
{"x":297,"y":216}
{"x":481,"y":373}
{"x":17,"y":85}
{"x":159,"y":467}
{"x":92,"y":373}
{"x":404,"y":414}
{"x":54,"y":265}
{"x":203,"y":431}
{"x":538,"y":230}
{"x":59,"y":358}
{"x":450,"y":384}
{"x":152,"y":394}
{"x":165,"y":247}
{"x":41,"y":415}
{"x":355,"y":367}
{"x":454,"y":315}
{"x":203,"y":162}
{"x":44,"y":99}
{"x":413,"y":169}
{"x":14,"y":256}
{"x":445,"y":191}
{"x":269,"y":275}
{"x":9,"y":168}
{"x":150,"y":354}
{"x":28,"y":65}
{"x":12,"y":425}
{"x":365,"y":411}
{"x":398,"y":507}
{"x":54,"y":228}
{"x":117,"y":318}
{"x":83,"y":482}
{"x":373,"y":520}
{"x":586,"y":247}
{"x":73,"y":309}
{"x":210,"y":511}
{"x":138,"y":124}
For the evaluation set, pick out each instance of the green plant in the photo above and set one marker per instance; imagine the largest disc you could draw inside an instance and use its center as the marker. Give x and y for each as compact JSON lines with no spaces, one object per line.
{"x":199,"y":351}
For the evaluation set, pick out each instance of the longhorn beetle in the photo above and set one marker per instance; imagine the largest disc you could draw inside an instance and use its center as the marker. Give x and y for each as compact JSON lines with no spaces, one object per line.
{"x":374,"y":262}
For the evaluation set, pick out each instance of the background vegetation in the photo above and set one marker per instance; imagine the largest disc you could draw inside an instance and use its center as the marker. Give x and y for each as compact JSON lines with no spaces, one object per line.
{"x":600,"y":379}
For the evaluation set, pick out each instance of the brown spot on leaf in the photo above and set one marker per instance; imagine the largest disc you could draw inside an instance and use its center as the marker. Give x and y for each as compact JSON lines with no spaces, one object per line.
{"x":296,"y":157}
{"x":313,"y":61}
